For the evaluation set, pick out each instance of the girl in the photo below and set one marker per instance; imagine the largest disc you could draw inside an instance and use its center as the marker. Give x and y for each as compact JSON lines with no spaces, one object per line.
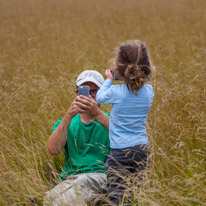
{"x":131,"y":103}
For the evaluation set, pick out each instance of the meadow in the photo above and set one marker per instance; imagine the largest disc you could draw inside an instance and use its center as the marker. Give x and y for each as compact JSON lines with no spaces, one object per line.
{"x":44,"y":45}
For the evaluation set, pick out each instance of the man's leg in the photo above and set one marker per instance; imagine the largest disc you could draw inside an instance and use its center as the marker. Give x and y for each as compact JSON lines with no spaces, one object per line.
{"x":76,"y":189}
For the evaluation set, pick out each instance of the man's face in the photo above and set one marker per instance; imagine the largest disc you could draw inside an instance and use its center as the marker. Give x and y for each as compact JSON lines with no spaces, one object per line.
{"x":93,"y":88}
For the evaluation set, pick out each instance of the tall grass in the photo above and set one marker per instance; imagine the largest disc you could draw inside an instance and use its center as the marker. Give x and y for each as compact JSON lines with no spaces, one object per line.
{"x":44,"y":45}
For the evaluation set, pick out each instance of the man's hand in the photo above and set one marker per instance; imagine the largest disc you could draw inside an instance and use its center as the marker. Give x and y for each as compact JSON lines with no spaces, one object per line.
{"x":75,"y":108}
{"x":91,"y":107}
{"x":87,"y":105}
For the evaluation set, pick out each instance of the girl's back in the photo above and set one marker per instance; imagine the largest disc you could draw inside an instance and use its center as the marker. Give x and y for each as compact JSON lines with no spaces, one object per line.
{"x":128,"y":114}
{"x":131,"y":103}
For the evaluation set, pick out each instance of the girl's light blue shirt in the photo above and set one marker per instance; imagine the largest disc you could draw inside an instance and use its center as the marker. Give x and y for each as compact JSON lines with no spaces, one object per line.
{"x":128,"y":114}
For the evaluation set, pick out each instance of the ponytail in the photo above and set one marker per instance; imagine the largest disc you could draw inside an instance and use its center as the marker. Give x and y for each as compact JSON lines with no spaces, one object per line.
{"x":133,"y":65}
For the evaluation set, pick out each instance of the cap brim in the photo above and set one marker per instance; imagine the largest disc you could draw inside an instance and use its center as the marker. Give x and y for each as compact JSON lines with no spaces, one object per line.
{"x":89,"y":80}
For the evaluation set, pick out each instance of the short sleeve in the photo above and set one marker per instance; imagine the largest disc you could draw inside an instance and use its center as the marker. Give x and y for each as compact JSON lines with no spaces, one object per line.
{"x":56,"y":125}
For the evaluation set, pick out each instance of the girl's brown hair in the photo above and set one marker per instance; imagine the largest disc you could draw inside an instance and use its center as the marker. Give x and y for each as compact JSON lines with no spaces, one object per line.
{"x":133,"y":65}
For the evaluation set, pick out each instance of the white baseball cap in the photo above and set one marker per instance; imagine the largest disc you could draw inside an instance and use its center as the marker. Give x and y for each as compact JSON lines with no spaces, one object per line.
{"x":90,"y":76}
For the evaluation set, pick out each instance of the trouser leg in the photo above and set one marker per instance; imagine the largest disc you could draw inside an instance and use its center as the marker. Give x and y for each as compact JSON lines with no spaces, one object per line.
{"x":60,"y":193}
{"x":124,"y":163}
{"x":75,"y":190}
{"x":116,"y":183}
{"x":117,"y":178}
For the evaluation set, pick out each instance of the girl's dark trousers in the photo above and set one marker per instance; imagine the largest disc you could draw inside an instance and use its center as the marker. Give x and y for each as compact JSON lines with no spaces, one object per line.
{"x":120,"y":166}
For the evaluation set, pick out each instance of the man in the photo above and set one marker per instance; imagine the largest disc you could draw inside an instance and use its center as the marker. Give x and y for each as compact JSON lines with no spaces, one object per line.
{"x":83,"y":135}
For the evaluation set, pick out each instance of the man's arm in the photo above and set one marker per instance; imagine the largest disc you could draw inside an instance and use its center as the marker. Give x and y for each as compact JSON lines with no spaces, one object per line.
{"x":103,"y":119}
{"x":58,"y":138}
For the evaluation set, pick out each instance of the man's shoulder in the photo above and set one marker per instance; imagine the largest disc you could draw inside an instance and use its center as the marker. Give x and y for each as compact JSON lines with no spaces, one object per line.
{"x":56,"y":124}
{"x":74,"y":119}
{"x":108,"y":114}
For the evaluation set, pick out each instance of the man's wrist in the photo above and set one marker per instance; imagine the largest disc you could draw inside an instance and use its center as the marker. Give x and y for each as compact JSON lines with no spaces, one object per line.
{"x":68,"y":116}
{"x":103,"y":119}
{"x":99,"y":114}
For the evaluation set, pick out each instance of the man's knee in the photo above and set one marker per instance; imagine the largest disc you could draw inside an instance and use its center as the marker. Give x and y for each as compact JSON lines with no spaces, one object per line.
{"x":93,"y":181}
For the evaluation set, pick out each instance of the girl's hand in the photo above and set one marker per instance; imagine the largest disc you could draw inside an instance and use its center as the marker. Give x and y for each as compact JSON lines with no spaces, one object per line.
{"x":108,"y":74}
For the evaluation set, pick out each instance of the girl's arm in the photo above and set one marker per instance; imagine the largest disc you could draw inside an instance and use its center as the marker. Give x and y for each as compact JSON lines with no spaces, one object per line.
{"x":105,"y":95}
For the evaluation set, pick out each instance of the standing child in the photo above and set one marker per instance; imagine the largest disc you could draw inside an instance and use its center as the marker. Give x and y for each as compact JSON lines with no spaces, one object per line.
{"x":131,"y":103}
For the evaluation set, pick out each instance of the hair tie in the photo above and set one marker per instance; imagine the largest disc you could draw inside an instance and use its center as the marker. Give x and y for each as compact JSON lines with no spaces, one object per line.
{"x":135,"y":66}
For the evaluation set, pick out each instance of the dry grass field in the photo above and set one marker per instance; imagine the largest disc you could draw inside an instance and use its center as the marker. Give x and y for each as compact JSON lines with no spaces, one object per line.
{"x":44,"y":45}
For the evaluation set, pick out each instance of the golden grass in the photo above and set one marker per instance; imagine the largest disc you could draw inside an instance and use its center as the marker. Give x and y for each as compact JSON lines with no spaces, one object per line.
{"x":45,"y":44}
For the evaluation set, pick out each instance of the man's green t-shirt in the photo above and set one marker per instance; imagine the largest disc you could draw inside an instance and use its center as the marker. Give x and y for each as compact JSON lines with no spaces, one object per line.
{"x":86,"y":149}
